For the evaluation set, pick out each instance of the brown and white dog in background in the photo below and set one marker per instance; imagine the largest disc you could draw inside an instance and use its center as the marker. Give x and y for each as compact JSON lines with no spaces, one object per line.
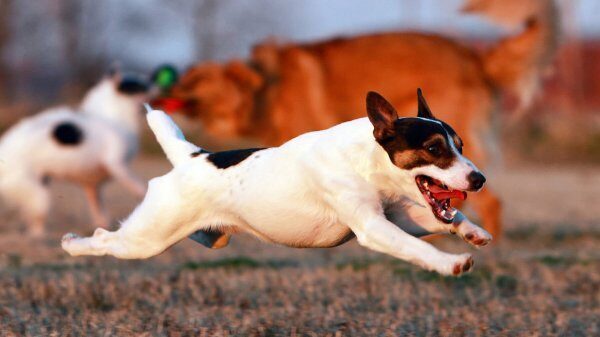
{"x":286,"y":90}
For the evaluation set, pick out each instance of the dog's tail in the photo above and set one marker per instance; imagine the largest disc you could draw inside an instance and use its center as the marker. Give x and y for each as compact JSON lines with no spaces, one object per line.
{"x":517,"y":63}
{"x":169,"y":136}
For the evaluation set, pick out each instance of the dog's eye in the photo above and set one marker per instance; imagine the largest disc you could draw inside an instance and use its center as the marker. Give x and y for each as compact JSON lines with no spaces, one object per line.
{"x":434,"y":150}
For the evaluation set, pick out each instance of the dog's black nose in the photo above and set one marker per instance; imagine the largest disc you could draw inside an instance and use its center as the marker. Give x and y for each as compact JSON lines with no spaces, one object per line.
{"x":476,"y":180}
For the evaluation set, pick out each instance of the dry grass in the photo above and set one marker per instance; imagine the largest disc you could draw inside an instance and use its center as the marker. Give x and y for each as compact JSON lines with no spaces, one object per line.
{"x":553,"y":138}
{"x":543,"y":280}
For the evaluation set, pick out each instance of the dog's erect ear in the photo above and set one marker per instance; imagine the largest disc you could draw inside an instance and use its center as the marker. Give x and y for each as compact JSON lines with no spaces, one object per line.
{"x":243,"y":75}
{"x":382,"y":115}
{"x":424,"y":110}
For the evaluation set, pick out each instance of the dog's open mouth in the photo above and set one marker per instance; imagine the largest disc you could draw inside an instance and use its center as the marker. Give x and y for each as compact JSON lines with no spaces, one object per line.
{"x":438,"y":196}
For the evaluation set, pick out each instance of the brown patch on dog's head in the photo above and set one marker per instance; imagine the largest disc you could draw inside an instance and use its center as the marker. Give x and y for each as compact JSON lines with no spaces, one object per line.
{"x":425,"y":112}
{"x":412,"y":142}
{"x":458,"y":143}
{"x":222,"y":96}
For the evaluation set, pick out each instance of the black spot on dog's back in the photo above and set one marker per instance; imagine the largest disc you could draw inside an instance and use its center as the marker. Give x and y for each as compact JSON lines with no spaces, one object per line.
{"x":67,"y":133}
{"x":226,"y":159}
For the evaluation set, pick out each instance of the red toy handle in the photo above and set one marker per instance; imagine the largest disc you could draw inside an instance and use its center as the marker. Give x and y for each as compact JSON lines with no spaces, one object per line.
{"x":168,"y":104}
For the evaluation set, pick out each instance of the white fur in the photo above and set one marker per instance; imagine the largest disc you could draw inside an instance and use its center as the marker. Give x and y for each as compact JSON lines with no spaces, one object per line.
{"x":29,"y":154}
{"x":310,"y":192}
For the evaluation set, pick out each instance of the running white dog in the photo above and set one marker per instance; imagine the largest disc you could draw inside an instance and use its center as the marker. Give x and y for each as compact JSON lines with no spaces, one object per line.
{"x":380,"y":179}
{"x":87,"y":145}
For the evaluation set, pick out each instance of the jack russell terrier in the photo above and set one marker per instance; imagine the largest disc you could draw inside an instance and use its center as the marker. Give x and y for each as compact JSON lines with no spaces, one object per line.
{"x":384,"y":180}
{"x":86,"y":145}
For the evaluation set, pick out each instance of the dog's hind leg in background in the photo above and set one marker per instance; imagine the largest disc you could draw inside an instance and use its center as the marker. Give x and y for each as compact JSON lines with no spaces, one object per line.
{"x":30,"y":196}
{"x":94,"y":199}
{"x":118,"y":170}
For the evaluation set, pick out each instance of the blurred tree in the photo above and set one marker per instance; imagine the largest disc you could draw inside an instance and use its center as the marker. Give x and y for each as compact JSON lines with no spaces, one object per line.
{"x":204,"y":28}
{"x":83,"y":35}
{"x":5,"y":15}
{"x":69,"y":21}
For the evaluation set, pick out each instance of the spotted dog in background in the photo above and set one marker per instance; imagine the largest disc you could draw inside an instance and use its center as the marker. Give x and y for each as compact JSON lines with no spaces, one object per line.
{"x":381,"y":179}
{"x":87,"y":145}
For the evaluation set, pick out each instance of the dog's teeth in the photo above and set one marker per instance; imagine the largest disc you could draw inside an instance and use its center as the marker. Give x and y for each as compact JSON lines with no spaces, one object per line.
{"x":452,"y":212}
{"x":449,"y":214}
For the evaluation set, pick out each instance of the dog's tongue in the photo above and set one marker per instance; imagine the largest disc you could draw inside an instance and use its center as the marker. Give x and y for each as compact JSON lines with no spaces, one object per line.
{"x":441,"y":194}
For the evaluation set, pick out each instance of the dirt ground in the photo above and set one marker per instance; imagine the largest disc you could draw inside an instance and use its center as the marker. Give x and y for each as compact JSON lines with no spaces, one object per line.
{"x":543,"y":279}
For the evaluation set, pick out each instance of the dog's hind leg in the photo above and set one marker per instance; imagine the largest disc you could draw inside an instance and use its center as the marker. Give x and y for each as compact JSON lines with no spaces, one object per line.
{"x":97,"y":211}
{"x":115,"y":163}
{"x":125,"y":177}
{"x":32,"y":198}
{"x":162,"y":219}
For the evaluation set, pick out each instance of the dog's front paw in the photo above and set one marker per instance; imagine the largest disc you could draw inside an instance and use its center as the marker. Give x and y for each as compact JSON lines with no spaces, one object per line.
{"x":455,"y":264}
{"x":463,"y":266}
{"x":477,"y":237}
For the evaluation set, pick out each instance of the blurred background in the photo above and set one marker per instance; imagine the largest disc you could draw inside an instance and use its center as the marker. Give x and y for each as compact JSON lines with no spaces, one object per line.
{"x":52,"y":51}
{"x":543,"y":278}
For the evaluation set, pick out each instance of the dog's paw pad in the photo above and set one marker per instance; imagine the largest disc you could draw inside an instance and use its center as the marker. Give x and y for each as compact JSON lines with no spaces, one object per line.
{"x":68,"y":237}
{"x":463,"y":267}
{"x":478,"y":239}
